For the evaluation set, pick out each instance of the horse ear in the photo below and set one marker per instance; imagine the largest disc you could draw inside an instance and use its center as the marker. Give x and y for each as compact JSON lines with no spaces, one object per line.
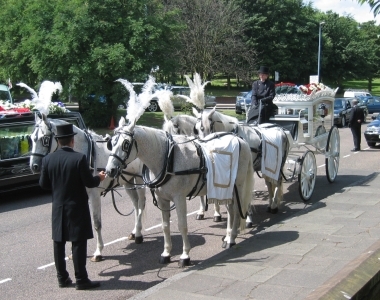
{"x":44,"y":118}
{"x":211,"y":113}
{"x":121,"y":122}
{"x":196,"y":113}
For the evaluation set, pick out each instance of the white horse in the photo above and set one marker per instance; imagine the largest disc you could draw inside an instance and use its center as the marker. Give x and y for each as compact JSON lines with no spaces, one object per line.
{"x":43,"y":143}
{"x":214,"y":121}
{"x":176,"y":167}
{"x":185,"y":124}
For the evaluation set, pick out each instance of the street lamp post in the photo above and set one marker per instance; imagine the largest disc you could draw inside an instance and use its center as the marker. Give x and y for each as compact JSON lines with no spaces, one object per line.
{"x":319,"y":51}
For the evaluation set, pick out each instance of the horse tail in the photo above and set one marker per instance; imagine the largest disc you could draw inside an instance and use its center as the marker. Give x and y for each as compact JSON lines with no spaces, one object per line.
{"x":247,"y":189}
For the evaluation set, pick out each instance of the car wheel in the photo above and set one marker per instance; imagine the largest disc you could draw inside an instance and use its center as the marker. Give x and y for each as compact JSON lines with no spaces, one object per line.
{"x":153,"y":106}
{"x":365,"y":118}
{"x":344,"y":122}
{"x":238,"y":112}
{"x":121,"y":106}
{"x":371,"y":144}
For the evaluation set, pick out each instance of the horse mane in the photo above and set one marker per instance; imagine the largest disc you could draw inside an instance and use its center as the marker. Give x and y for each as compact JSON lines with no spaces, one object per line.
{"x":228,"y":122}
{"x":152,"y":135}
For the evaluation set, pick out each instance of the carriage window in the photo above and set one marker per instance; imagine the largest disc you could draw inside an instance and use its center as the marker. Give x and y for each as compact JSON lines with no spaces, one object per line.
{"x":15,"y":141}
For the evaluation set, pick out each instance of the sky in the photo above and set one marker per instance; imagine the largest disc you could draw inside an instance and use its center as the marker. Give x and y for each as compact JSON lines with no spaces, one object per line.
{"x":361,"y":13}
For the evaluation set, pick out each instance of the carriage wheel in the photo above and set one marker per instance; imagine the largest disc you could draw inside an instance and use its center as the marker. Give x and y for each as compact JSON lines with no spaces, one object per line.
{"x":332,"y":154}
{"x":307,"y":175}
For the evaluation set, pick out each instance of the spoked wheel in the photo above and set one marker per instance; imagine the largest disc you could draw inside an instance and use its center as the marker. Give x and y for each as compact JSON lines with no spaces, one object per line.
{"x":307,"y":175}
{"x":332,"y":154}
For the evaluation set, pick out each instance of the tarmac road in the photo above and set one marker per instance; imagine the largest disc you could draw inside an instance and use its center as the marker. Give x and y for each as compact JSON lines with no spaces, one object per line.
{"x":27,"y":270}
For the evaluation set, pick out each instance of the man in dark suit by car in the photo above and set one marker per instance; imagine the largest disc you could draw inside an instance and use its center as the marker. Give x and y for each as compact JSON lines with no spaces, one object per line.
{"x":67,"y":174}
{"x":355,"y":122}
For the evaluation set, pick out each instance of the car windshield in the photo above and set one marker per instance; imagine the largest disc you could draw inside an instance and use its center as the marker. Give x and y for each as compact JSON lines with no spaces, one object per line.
{"x":338,"y":103}
{"x":4,"y":95}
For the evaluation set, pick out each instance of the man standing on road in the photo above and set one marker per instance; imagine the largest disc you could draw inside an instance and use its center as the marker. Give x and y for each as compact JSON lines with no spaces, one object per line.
{"x":355,"y":122}
{"x":67,"y":174}
{"x":263,"y":92}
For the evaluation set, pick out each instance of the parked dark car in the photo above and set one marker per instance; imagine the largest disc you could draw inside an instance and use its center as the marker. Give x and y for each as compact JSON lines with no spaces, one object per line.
{"x":372,"y":133}
{"x":342,"y":110}
{"x":373,"y":103}
{"x":239,"y":105}
{"x":243,"y":103}
{"x":363,"y":105}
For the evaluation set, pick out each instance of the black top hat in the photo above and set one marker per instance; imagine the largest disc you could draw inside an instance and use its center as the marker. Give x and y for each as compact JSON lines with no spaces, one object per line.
{"x":263,"y":70}
{"x":65,"y":131}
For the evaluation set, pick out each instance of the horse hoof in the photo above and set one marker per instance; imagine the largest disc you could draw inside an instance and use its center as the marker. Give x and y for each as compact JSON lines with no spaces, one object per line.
{"x":139,"y":239}
{"x":248,"y":225}
{"x":164,"y":259}
{"x":269,"y":209}
{"x":200,"y":217}
{"x":224,"y":245}
{"x":71,"y":257}
{"x":184,"y":262}
{"x":97,"y":258}
{"x":131,"y":236}
{"x":274,"y":210}
{"x":217,"y":219}
{"x":228,"y":246}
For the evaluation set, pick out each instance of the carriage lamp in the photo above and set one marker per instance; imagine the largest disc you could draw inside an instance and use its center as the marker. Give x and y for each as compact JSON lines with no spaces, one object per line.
{"x":322,"y":110}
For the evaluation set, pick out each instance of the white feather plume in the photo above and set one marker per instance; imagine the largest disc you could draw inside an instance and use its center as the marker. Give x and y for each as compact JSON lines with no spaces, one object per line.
{"x":32,"y":92}
{"x":197,"y":95}
{"x":165,"y":102}
{"x":42,"y":101}
{"x":138,"y":103}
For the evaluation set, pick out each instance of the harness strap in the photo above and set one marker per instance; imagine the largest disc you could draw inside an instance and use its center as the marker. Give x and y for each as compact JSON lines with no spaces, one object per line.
{"x":202,"y":171}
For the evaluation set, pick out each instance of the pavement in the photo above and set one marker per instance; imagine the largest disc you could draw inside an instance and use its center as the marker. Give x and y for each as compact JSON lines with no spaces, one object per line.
{"x":331,"y":250}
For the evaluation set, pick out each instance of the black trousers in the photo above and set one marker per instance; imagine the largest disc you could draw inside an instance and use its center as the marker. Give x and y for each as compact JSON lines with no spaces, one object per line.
{"x":357,"y":135}
{"x":79,"y":251}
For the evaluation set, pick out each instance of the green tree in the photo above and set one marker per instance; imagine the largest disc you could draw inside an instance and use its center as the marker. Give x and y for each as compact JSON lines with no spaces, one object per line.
{"x":86,"y":45}
{"x":285,"y":36}
{"x":374,"y":4}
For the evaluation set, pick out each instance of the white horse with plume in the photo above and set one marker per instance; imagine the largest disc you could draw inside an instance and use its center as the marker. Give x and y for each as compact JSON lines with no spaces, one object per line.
{"x":182,"y":124}
{"x":86,"y":142}
{"x":175,"y":168}
{"x":214,"y":121}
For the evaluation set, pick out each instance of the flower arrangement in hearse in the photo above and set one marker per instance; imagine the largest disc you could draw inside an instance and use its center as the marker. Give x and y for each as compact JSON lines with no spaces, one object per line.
{"x":40,"y":102}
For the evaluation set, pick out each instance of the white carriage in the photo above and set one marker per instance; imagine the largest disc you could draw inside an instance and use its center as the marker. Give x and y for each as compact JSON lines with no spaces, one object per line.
{"x":309,"y":124}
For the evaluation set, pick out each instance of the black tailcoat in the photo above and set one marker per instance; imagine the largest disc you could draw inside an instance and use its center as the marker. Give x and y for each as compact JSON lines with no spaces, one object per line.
{"x":67,"y":173}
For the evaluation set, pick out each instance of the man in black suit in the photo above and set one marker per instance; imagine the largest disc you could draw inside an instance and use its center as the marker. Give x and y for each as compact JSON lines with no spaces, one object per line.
{"x":355,"y":122}
{"x":67,"y":174}
{"x":263,"y":92}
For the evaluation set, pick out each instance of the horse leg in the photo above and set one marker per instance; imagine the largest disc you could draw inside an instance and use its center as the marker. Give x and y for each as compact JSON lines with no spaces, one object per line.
{"x":165,"y":214}
{"x":217,"y":215}
{"x":138,"y":200}
{"x":249,"y":219}
{"x":181,"y":209}
{"x":202,"y":208}
{"x":277,"y":199}
{"x":94,"y":196}
{"x":270,"y":195}
{"x":230,"y":220}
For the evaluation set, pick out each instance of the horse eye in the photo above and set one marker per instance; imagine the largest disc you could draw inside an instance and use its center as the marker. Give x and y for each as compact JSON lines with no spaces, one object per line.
{"x":109,"y":145}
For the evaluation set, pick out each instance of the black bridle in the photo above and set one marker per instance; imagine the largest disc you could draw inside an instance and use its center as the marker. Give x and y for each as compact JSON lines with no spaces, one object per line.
{"x":46,"y":140}
{"x":126,"y":147}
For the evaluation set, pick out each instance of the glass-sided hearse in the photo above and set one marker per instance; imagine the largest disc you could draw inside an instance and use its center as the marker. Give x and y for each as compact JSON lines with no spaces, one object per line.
{"x":15,"y":147}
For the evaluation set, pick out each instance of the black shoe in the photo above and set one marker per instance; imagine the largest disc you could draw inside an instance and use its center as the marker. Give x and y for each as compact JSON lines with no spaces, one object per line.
{"x":65,"y":283}
{"x":355,"y":150}
{"x":87,"y":285}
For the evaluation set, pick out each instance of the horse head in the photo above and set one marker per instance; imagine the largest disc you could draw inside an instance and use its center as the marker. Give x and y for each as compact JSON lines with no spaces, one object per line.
{"x":42,"y":141}
{"x":121,"y":147}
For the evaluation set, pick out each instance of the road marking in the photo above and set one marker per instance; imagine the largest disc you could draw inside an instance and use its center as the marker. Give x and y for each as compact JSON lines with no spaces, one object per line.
{"x":321,"y":166}
{"x":115,"y":241}
{"x":5,"y":280}
{"x":49,"y":265}
{"x":346,"y":156}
